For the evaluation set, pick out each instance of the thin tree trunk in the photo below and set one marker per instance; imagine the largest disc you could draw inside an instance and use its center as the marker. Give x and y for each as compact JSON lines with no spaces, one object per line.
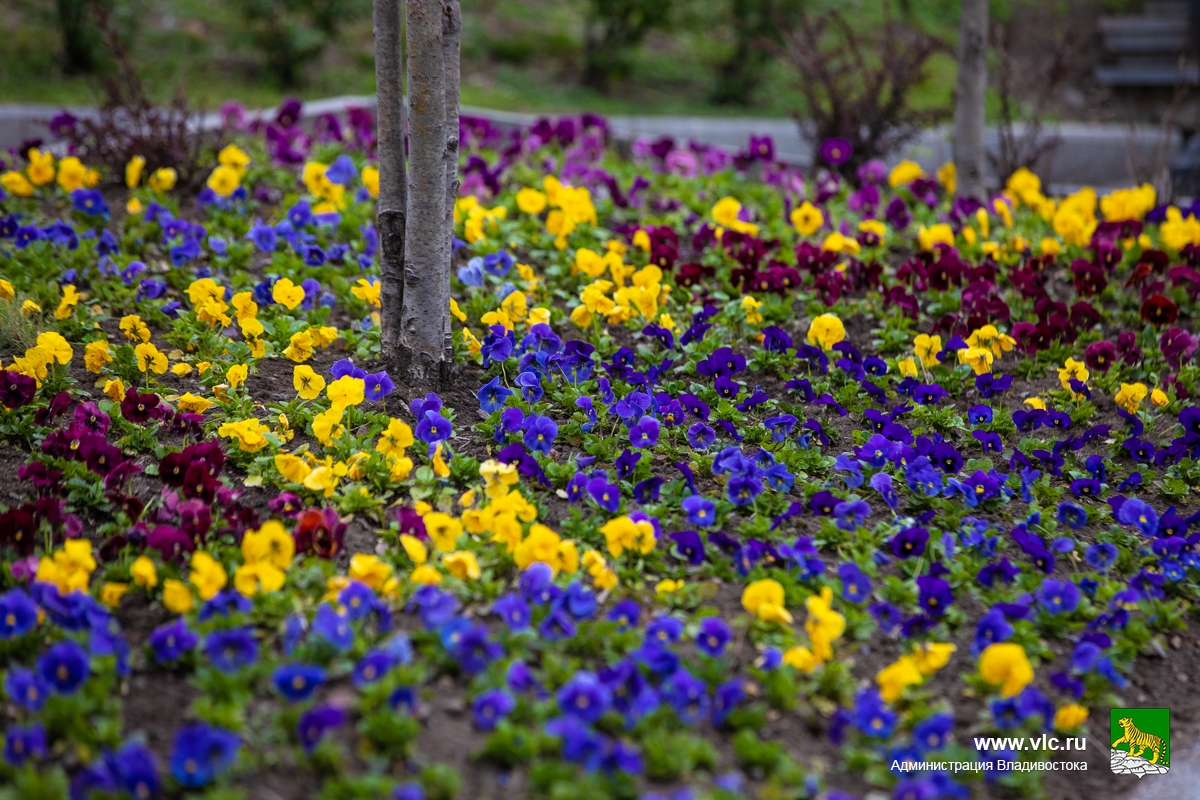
{"x":422,"y":354}
{"x":971,"y":90}
{"x":393,"y":178}
{"x":451,"y":47}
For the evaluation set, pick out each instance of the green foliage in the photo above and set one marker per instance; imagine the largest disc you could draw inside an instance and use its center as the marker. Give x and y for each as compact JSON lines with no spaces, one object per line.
{"x":292,"y":34}
{"x":614,"y":28}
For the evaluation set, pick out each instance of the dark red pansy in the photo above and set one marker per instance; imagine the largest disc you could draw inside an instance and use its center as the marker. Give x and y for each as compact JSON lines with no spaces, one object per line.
{"x":1159,"y":310}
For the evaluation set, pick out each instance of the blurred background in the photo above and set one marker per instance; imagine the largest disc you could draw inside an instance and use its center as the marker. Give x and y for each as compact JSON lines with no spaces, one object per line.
{"x":710,"y":57}
{"x":829,"y":63}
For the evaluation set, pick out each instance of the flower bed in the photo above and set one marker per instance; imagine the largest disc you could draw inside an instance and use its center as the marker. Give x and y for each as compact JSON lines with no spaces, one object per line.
{"x":750,"y":482}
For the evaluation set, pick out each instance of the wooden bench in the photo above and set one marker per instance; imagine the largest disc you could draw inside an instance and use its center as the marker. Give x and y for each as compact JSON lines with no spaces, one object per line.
{"x":1152,"y":50}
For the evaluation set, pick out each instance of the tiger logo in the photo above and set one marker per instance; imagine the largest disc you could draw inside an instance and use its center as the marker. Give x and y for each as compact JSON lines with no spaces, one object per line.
{"x":1139,"y":741}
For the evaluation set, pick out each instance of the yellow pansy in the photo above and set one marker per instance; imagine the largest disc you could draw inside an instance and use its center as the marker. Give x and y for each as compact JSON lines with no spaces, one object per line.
{"x":300,"y":347}
{"x":163,"y":179}
{"x":905,"y":173}
{"x":66,"y":306}
{"x":1130,"y":396}
{"x":193,"y":403}
{"x":143,"y":572}
{"x":462,"y":565}
{"x":236,"y":375}
{"x":367,"y":291}
{"x":177,"y":597}
{"x":96,"y":355}
{"x":825,"y":331}
{"x":150,"y":358}
{"x":346,"y":391}
{"x":1005,"y":664}
{"x":1072,"y":370}
{"x":287,"y":294}
{"x":133,"y":171}
{"x":1070,"y":716}
{"x":764,"y":599}
{"x":807,"y":219}
{"x":224,"y":180}
{"x":206,"y":574}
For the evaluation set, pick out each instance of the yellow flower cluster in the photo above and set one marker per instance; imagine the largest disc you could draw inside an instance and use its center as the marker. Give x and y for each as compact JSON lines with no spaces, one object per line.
{"x":444,"y":531}
{"x":838,"y":242}
{"x":316,"y":475}
{"x":462,"y":564}
{"x":570,"y":207}
{"x":208,"y":300}
{"x":1125,"y":204}
{"x":161,"y":180}
{"x":1075,"y":218}
{"x":594,"y":265}
{"x":644,"y":294}
{"x":71,"y":173}
{"x":1070,"y":716}
{"x":726,"y":211}
{"x":250,"y":434}
{"x":370,"y":179}
{"x":530,"y":200}
{"x":1130,"y":396}
{"x":231,"y":168}
{"x":544,"y":545}
{"x":905,"y":173}
{"x":824,"y":626}
{"x":1005,"y":664}
{"x":69,"y":568}
{"x":332,"y":195}
{"x":51,"y":347}
{"x":96,"y":356}
{"x":807,"y":219}
{"x":597,"y":568}
{"x":514,"y":308}
{"x":623,"y":533}
{"x":396,"y":438}
{"x":368,"y":292}
{"x":1177,"y":232}
{"x":912,"y":669}
{"x":475,"y":217}
{"x":825,"y":331}
{"x":931,"y":237}
{"x":764,"y":599}
{"x":266,"y":554}
{"x":947,"y":175}
{"x":985,"y":345}
{"x":66,"y":305}
{"x":1073,"y":370}
{"x":751,"y":306}
{"x":206,"y":574}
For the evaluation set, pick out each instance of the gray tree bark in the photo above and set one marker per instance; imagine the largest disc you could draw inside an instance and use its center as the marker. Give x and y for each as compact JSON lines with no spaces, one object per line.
{"x":451,"y":52}
{"x":393,"y":179}
{"x":422,"y":357}
{"x":970,"y":91}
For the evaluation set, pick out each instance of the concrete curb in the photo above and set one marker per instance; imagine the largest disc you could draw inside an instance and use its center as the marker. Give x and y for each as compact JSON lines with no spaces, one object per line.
{"x":1104,"y":156}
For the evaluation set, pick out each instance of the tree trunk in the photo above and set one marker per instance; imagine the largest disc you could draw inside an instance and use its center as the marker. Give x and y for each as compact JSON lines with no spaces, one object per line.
{"x":971,"y":90}
{"x":451,"y":51}
{"x":393,"y":179}
{"x":423,"y":360}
